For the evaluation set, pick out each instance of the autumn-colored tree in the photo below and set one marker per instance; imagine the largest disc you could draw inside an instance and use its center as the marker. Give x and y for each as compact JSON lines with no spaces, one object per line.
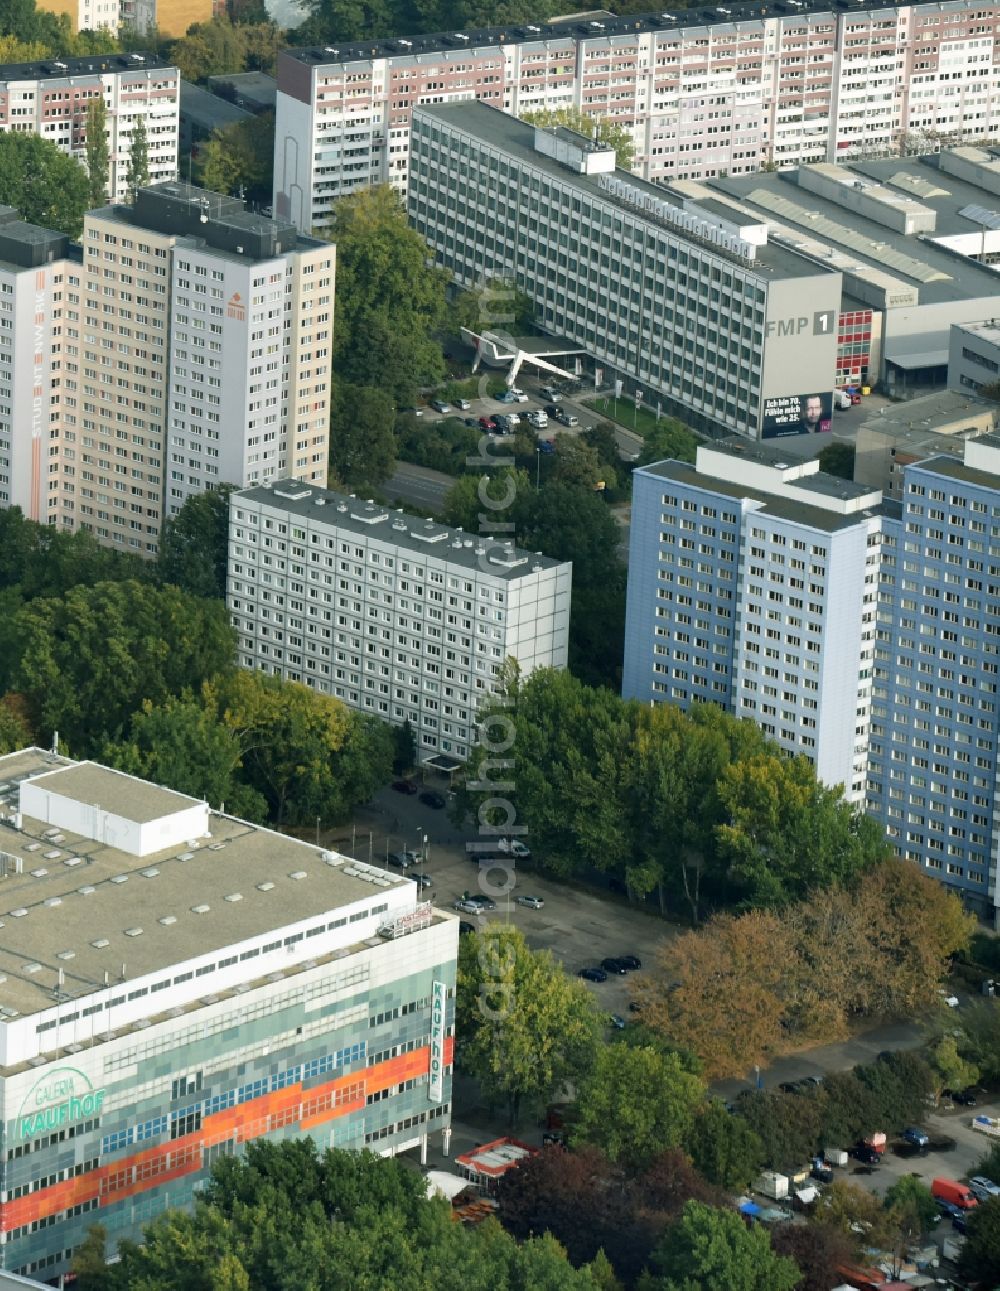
{"x":817,"y":1249}
{"x":857,"y":1213}
{"x":718,"y":991}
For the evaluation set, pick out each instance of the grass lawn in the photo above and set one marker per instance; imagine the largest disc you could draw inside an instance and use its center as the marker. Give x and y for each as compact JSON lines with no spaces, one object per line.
{"x":643,"y":422}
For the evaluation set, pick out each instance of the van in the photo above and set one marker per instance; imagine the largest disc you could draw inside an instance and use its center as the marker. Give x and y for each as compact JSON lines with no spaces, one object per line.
{"x":955,"y":1193}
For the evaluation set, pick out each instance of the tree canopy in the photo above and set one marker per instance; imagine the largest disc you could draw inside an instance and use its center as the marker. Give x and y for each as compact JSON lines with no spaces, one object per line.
{"x":525,"y":1026}
{"x":45,"y":185}
{"x":239,"y":156}
{"x":711,"y":1249}
{"x":362,"y":443}
{"x":194,"y":544}
{"x":389,"y":300}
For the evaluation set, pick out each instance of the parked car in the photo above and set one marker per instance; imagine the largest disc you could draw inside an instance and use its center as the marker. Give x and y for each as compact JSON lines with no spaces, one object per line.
{"x":865,"y":1154}
{"x":957,"y":1193}
{"x":439,"y":405}
{"x":472,"y":422}
{"x":568,"y":419}
{"x":464,"y":927}
{"x":617,"y":1021}
{"x":533,"y":903}
{"x":519,"y":396}
{"x":513,"y":419}
{"x":593,"y":974}
{"x":467,"y":907}
{"x":553,"y":1138}
{"x":822,"y":1172}
{"x":484,"y":903}
{"x":634,"y":1006}
{"x":549,"y":392}
{"x":506,"y":397}
{"x":546,"y":446}
{"x":539,"y":420}
{"x":421,"y":880}
{"x":431,"y":799}
{"x":411,"y":411}
{"x":404,"y":786}
{"x":959,"y":1221}
{"x":554,"y":409}
{"x":948,"y":998}
{"x":514,"y":847}
{"x":982,"y":1188}
{"x":614,"y":966}
{"x":463,"y":404}
{"x":487,"y":423}
{"x":918,"y":1137}
{"x":963,"y":1097}
{"x":401,"y":860}
{"x":631,"y":962}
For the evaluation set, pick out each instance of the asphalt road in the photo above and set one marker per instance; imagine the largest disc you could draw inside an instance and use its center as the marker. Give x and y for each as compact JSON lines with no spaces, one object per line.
{"x":419,"y":486}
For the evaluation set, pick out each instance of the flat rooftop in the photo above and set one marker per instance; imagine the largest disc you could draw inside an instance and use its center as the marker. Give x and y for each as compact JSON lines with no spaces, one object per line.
{"x":938,"y":274}
{"x":52,"y":69}
{"x":953,"y":468}
{"x":426,"y":538}
{"x":618,"y":30}
{"x":989,"y":329}
{"x":516,"y":138}
{"x":84,"y":909}
{"x":203,"y":108}
{"x":927,"y":413}
{"x":769,"y":454}
{"x":787,"y":509}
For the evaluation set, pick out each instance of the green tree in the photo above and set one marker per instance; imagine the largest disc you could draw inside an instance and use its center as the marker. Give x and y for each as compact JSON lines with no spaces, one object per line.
{"x":90,"y":1260}
{"x":710,"y":1249}
{"x":194,"y":544}
{"x":787,"y":1126}
{"x":98,"y":156}
{"x":362,"y":443}
{"x":857,"y":1213}
{"x":87,"y":660}
{"x":576,"y":462}
{"x":14,"y":733}
{"x":837,"y":458}
{"x":603,"y":129}
{"x":786,"y":833}
{"x":912,"y":1206}
{"x":475,"y":502}
{"x":951,"y":1070}
{"x":305,"y":753}
{"x":404,"y":745}
{"x":635,"y":1103}
{"x":723,"y":1147}
{"x":670,"y":440}
{"x":496,"y":303}
{"x":45,"y":185}
{"x":238,"y":157}
{"x":526,"y":1026}
{"x":137,"y":174}
{"x":182,"y":744}
{"x":979,"y":1262}
{"x":980,"y":1040}
{"x":389,"y":300}
{"x":210,"y":49}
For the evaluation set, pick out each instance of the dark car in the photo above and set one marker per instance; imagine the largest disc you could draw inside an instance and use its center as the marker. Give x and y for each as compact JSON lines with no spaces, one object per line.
{"x":546,"y":446}
{"x":553,"y":1138}
{"x":593,"y":974}
{"x":865,"y":1154}
{"x":789,"y":1086}
{"x":431,"y":799}
{"x":484,"y":903}
{"x":613,"y":966}
{"x":964,"y":1097}
{"x":404,"y":786}
{"x":959,"y":1221}
{"x":635,"y":1007}
{"x":472,"y":422}
{"x":822,"y":1172}
{"x":421,"y":880}
{"x":401,"y":860}
{"x":631,"y":962}
{"x":554,"y":409}
{"x":465,"y":927}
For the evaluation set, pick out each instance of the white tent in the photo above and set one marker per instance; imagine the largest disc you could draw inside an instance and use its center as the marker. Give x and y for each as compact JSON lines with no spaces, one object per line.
{"x":441,"y":1183}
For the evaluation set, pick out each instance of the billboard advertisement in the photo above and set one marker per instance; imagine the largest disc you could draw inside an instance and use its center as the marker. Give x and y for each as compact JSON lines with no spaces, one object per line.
{"x":797,"y":414}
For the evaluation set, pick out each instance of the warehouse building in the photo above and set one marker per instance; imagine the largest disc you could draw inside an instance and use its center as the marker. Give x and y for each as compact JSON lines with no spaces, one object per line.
{"x":176,"y":983}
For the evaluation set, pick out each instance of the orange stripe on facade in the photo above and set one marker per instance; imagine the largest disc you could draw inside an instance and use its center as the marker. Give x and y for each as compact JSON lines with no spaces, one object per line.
{"x":259,"y":1116}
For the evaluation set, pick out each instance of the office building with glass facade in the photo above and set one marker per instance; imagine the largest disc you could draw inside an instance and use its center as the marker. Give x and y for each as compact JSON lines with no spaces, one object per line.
{"x":175,"y":983}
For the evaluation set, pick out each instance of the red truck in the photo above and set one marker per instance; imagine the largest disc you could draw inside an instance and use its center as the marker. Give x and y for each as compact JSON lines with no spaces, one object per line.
{"x":957,"y":1193}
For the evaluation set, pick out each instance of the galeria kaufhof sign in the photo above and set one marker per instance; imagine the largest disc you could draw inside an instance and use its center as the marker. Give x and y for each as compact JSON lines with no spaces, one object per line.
{"x":58,"y":1098}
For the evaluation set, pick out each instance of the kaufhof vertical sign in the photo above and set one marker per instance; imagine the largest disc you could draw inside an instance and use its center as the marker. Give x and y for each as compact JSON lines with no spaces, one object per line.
{"x":435,"y":1087}
{"x":58,"y":1098}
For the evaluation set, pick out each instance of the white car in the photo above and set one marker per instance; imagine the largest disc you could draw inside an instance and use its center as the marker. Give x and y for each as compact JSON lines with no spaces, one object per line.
{"x":540,"y":421}
{"x":468,"y":907}
{"x":512,"y":419}
{"x":463,"y":404}
{"x":950,"y":1000}
{"x":533,"y":903}
{"x":514,"y":847}
{"x":519,"y":396}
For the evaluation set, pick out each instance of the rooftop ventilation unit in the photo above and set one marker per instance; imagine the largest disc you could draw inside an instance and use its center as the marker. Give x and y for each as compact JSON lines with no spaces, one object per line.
{"x":133,"y":932}
{"x":167,"y":920}
{"x":299,"y":874}
{"x":234,"y":897}
{"x":87,"y":890}
{"x":200,"y":909}
{"x":66,"y":954}
{"x":151,"y":873}
{"x":186,"y":856}
{"x":267,"y":886}
{"x":19,"y":913}
{"x":119,"y":878}
{"x":100,"y":943}
{"x":39,"y":873}
{"x":53,"y":901}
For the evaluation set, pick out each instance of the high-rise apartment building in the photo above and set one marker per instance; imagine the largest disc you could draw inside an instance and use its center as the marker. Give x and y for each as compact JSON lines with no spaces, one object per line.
{"x":678,"y":296}
{"x":175,"y":984}
{"x":932,"y":776}
{"x":49,"y":98}
{"x":198,"y":340}
{"x":34,"y":268}
{"x":405,"y":619}
{"x":702,"y":93}
{"x":753,"y":585}
{"x":165,"y":17}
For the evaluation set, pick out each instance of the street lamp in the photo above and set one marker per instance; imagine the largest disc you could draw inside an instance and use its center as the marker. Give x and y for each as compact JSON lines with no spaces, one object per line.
{"x":538,"y":467}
